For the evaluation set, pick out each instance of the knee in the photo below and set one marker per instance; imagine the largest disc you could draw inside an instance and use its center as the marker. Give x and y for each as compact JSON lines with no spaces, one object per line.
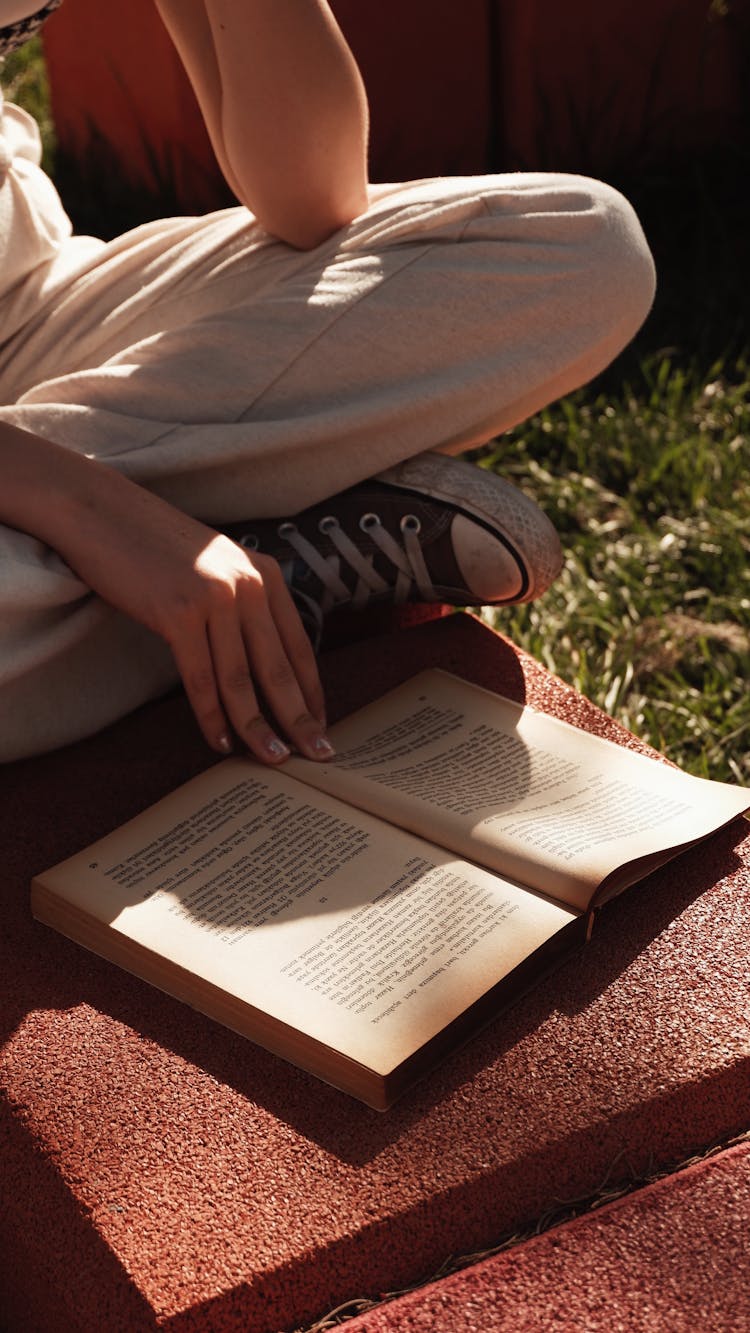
{"x":614,"y":261}
{"x":584,"y":241}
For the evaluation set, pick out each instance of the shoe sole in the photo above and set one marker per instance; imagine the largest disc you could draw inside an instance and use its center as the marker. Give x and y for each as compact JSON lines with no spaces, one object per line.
{"x":495,"y":503}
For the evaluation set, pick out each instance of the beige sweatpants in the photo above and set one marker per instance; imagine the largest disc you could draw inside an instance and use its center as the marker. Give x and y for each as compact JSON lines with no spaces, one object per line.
{"x":240,"y":378}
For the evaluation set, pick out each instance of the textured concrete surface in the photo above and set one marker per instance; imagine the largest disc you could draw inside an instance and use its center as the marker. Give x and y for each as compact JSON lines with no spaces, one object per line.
{"x":672,"y":1258}
{"x":160,"y":1172}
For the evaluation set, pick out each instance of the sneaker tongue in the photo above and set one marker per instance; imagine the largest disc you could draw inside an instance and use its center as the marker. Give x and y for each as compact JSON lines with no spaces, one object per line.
{"x":485,"y":566}
{"x":311,"y":616}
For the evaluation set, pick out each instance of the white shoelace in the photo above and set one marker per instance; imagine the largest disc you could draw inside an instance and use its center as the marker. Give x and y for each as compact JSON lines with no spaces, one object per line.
{"x":408,"y":561}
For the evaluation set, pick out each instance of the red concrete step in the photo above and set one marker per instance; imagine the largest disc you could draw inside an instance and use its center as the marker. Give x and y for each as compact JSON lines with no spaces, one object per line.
{"x":160,"y":1172}
{"x":672,"y":1258}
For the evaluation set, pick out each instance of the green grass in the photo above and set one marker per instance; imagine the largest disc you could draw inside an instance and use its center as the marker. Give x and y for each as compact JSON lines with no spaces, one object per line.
{"x":24,"y":81}
{"x":646,"y":476}
{"x":649,"y":489}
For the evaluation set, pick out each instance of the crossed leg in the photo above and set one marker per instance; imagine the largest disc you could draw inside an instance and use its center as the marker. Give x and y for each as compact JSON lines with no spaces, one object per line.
{"x":239,"y":378}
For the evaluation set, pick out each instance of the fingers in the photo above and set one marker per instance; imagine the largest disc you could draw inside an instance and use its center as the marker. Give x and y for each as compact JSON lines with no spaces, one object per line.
{"x":247,"y":649}
{"x":295,"y":642}
{"x":248,"y":636}
{"x":192,"y":654}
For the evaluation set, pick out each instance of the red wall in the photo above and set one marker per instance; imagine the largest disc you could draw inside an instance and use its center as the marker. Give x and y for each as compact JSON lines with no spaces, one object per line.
{"x":115,"y":80}
{"x":603,"y":86}
{"x":599,"y":86}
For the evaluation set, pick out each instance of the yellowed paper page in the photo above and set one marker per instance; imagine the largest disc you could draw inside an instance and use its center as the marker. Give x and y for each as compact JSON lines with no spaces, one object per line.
{"x":359,"y":935}
{"x":529,"y":796}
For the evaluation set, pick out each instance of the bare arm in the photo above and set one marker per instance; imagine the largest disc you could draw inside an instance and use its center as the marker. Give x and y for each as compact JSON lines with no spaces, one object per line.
{"x":286,"y":109}
{"x":226,"y":615}
{"x":284,"y":105}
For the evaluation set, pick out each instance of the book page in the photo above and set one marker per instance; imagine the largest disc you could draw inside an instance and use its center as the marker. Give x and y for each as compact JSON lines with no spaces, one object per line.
{"x":520,"y":792}
{"x":359,"y":935}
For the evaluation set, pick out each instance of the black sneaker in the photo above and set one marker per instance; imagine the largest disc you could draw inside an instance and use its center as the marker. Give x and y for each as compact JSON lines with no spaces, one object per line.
{"x":432,"y":529}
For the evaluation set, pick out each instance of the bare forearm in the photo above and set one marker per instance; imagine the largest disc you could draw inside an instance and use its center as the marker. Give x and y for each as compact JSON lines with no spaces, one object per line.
{"x":48,"y":491}
{"x":284,"y":104}
{"x":84,"y":510}
{"x":227,"y":616}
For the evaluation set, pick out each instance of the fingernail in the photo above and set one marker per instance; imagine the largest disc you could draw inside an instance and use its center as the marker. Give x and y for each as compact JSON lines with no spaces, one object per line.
{"x":225,"y":744}
{"x":322,"y":746}
{"x":277,"y":748}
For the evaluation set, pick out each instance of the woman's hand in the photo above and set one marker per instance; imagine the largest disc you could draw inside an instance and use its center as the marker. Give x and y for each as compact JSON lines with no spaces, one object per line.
{"x":225,"y":613}
{"x":229,"y":619}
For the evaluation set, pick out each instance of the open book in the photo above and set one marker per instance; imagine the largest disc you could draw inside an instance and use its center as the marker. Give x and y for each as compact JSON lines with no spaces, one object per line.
{"x":362,"y":917}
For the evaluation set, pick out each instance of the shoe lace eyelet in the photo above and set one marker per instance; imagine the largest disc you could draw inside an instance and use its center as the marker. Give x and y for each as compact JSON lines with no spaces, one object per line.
{"x":410,"y":523}
{"x":249,"y":542}
{"x":286,"y":529}
{"x":369,"y":521}
{"x":328,"y":523}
